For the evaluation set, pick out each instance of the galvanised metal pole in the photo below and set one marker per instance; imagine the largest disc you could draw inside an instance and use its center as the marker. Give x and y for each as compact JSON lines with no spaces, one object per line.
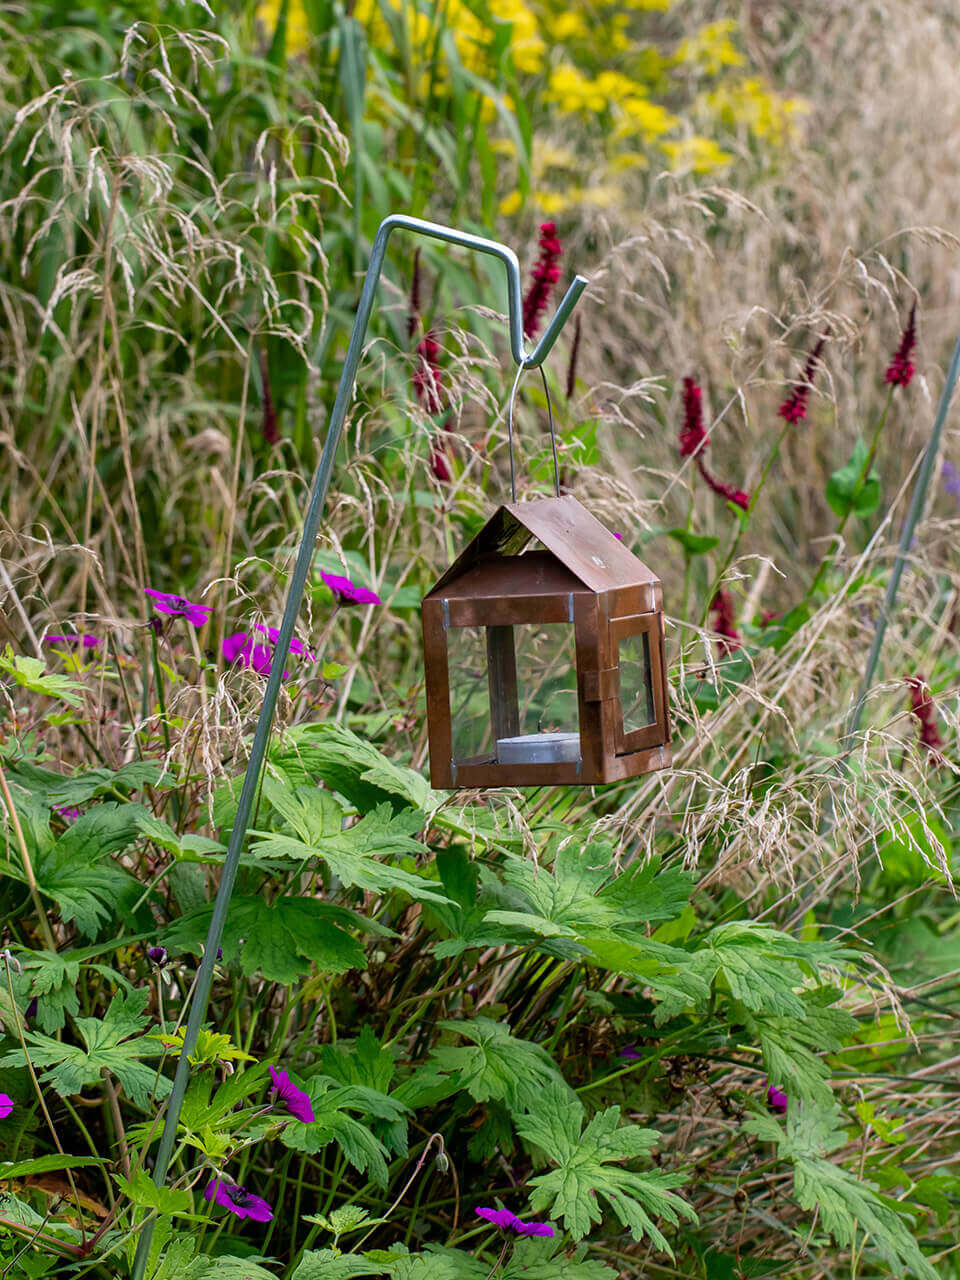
{"x":261,"y":737}
{"x":914,"y":513}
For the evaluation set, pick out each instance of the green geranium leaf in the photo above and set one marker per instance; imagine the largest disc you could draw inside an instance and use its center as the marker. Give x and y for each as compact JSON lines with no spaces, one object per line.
{"x":28,"y":673}
{"x":590,"y":1166}
{"x":695,"y":544}
{"x":849,"y":490}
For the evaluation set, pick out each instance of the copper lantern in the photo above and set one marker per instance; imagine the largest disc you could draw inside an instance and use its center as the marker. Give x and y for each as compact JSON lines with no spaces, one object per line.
{"x":543,"y":652}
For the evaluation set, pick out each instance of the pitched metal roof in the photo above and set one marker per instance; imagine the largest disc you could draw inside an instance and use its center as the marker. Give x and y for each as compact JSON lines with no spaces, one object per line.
{"x":568,"y":531}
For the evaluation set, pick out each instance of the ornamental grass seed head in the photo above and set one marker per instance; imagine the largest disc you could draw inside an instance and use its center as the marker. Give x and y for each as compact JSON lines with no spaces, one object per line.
{"x":238,"y":1201}
{"x":900,"y":369}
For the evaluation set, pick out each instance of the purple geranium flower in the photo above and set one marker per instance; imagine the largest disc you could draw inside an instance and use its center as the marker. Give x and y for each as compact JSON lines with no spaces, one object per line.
{"x":285,"y":1092}
{"x":239,"y":1201}
{"x":951,"y":479}
{"x":346,"y":592}
{"x":31,"y":1012}
{"x":6,"y":1105}
{"x":88,"y":641}
{"x":776,"y":1100}
{"x":629,"y":1053}
{"x":157,"y":956}
{"x":239,"y":647}
{"x":509,"y":1222}
{"x":176,"y":606}
{"x":66,"y":812}
{"x":296,"y":646}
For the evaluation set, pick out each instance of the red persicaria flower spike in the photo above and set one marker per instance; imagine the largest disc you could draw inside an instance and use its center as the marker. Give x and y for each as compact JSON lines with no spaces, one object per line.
{"x":413,"y":315}
{"x":271,"y":432}
{"x":724,"y":622}
{"x":546,"y":273}
{"x":693,"y":437}
{"x":925,"y":710}
{"x":794,"y":408}
{"x":426,"y":376}
{"x":900,"y":369}
{"x":439,"y":453}
{"x":737,"y":496}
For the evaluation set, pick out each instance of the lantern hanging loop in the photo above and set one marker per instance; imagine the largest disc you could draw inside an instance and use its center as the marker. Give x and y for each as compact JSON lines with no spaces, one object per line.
{"x":553,"y":434}
{"x":298,"y":581}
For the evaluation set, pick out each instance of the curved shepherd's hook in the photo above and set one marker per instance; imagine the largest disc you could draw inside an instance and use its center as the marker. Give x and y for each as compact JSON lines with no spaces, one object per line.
{"x":396,"y":221}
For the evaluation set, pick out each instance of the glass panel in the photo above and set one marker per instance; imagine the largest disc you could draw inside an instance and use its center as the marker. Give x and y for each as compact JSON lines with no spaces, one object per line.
{"x":636,"y":683}
{"x":469,"y":693}
{"x":547,"y":678}
{"x":516,"y":687}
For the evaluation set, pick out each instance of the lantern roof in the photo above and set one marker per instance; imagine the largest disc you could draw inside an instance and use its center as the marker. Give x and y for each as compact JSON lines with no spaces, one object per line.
{"x":584,"y":547}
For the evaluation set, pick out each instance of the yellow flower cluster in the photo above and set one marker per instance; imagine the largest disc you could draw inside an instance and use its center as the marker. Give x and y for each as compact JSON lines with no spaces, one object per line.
{"x":753,"y":105}
{"x":298,"y":25}
{"x":711,"y":48}
{"x":574,"y":92}
{"x":696,"y":155}
{"x":472,"y":36}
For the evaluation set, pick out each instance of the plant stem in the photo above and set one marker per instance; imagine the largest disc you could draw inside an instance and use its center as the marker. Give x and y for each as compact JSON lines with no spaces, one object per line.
{"x":864,"y":472}
{"x":42,"y":922}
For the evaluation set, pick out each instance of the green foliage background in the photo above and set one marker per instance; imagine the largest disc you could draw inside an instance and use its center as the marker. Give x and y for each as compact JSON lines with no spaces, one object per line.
{"x":571,"y":1003}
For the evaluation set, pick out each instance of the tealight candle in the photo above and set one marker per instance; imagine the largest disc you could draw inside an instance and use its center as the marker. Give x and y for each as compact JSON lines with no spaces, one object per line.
{"x":539,"y":748}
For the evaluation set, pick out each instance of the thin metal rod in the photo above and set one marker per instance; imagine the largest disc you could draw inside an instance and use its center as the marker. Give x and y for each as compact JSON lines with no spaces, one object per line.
{"x":261,"y":737}
{"x":553,"y":433}
{"x":906,"y":538}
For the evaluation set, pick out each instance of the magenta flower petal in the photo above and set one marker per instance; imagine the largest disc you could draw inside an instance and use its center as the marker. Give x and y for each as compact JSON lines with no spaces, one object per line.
{"x":157,"y":956}
{"x":348,"y":592}
{"x":534,"y":1229}
{"x":777,"y":1100}
{"x":6,"y":1105}
{"x":296,"y":646}
{"x":239,"y":647}
{"x":238,"y":1201}
{"x":506,"y":1221}
{"x":176,"y":606}
{"x":285,"y":1093}
{"x":501,"y":1218}
{"x":88,"y":641}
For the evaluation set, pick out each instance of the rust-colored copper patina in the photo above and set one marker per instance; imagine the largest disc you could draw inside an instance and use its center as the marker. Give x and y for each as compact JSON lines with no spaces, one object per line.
{"x":577,"y":583}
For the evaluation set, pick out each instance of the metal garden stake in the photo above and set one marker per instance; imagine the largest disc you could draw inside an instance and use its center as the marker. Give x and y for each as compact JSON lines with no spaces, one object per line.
{"x":198,"y":1006}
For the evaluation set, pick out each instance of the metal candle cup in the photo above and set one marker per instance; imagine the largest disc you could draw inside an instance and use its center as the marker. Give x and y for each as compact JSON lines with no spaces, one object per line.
{"x":539,"y":748}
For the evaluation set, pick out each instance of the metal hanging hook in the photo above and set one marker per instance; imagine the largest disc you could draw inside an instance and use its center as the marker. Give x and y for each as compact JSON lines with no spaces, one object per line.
{"x":553,"y":434}
{"x":298,"y":580}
